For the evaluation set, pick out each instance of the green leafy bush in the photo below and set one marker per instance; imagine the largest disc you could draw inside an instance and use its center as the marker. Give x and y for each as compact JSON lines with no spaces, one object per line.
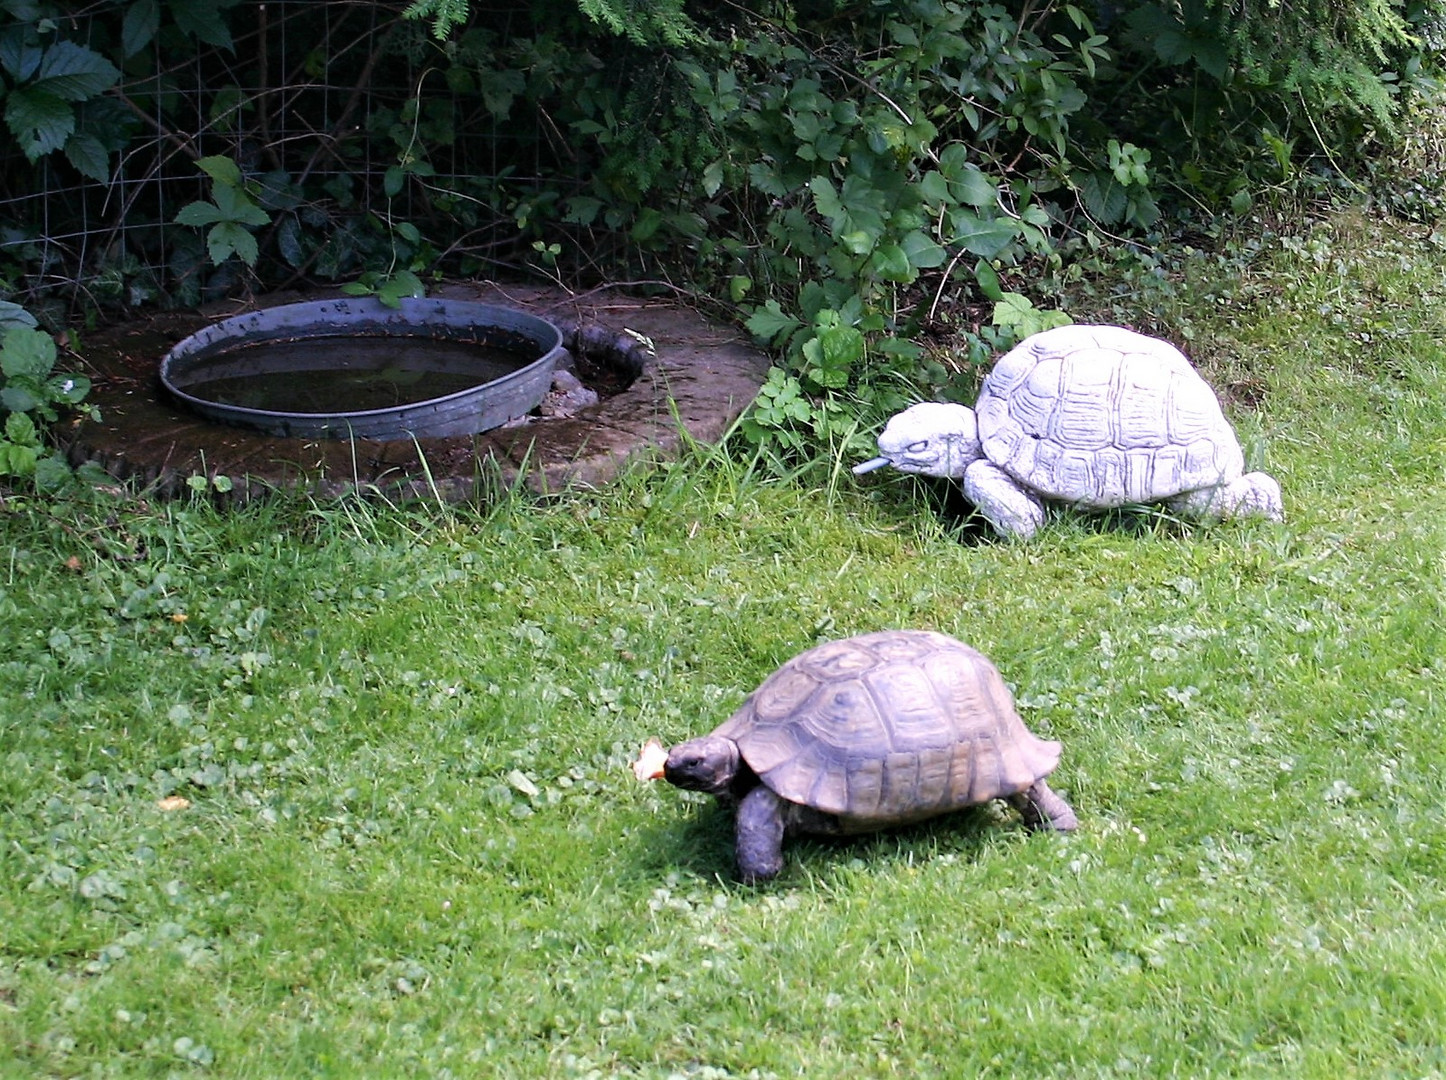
{"x":231,"y":212}
{"x":853,"y":176}
{"x":48,"y":80}
{"x":920,"y":152}
{"x":1233,"y":96}
{"x":32,"y":395}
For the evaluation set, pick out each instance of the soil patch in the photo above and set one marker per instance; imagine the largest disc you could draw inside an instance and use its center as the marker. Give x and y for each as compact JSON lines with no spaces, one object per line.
{"x":663,"y":372}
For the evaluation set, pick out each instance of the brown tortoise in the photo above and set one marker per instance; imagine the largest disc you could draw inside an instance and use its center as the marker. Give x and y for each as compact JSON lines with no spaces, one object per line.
{"x":860,"y":734}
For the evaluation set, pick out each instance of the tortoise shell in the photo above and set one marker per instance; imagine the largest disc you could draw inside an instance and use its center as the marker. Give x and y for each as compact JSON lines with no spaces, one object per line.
{"x":888,"y":727}
{"x":1102,"y":416}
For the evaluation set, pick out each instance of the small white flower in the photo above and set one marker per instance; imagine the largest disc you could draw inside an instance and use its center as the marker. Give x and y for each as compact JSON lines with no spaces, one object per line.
{"x":1340,"y":792}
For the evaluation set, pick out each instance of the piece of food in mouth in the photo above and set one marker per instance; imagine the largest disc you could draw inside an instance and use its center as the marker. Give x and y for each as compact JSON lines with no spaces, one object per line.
{"x":650,"y":762}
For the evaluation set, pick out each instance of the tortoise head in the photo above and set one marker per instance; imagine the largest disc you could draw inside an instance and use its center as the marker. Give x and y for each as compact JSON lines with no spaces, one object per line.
{"x":709,"y":764}
{"x":933,"y":438}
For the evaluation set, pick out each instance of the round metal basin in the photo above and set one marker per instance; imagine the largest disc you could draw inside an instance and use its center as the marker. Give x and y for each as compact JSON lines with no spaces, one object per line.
{"x":355,"y":368}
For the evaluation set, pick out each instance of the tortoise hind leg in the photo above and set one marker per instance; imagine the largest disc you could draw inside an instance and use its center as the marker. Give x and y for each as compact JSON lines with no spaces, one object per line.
{"x":1252,"y":495}
{"x":759,"y":837}
{"x":1041,"y":808}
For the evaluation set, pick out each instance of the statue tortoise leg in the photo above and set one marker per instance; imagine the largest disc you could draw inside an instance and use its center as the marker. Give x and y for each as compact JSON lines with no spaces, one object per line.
{"x":1252,"y":495}
{"x":1011,"y":509}
{"x":759,"y":835}
{"x":1041,"y":808}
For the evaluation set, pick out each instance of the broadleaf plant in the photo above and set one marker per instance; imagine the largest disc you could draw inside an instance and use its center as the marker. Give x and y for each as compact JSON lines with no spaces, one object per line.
{"x":232,"y":212}
{"x":45,"y":82}
{"x":32,"y":395}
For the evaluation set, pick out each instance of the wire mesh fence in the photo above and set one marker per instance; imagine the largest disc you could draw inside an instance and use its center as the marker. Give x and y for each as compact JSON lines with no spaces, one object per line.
{"x":321,"y":105}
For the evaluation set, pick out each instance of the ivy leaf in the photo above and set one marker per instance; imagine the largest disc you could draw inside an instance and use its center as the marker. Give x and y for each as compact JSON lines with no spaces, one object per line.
{"x":40,"y":121}
{"x":288,"y":242}
{"x":275,"y":191}
{"x":499,"y":89}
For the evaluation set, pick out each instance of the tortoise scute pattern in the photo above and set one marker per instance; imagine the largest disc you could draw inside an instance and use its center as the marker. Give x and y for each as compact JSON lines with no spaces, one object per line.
{"x":1105,"y":422}
{"x":888,"y":727}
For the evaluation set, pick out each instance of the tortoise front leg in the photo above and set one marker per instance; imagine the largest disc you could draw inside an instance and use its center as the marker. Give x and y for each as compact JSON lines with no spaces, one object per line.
{"x":1043,"y":809}
{"x":1012,"y":509}
{"x":759,"y":837}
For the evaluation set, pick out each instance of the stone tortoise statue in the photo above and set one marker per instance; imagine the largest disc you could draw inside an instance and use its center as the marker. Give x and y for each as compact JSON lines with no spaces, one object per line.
{"x":861,"y":734}
{"x":1093,"y":416}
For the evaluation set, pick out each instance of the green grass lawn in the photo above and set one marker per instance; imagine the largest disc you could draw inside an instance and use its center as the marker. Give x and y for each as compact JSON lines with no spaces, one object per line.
{"x":413,"y":846}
